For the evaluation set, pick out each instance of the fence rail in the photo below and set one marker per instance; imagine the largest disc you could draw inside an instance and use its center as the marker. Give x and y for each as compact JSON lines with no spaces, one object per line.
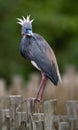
{"x":29,"y":116}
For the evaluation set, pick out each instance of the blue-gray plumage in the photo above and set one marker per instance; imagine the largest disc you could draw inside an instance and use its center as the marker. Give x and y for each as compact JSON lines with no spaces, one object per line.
{"x":35,"y":48}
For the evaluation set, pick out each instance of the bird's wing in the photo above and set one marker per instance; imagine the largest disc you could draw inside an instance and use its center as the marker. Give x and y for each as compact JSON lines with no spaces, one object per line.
{"x":45,"y":59}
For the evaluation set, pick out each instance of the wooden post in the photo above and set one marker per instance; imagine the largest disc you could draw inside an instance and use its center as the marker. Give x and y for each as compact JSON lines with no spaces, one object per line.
{"x":21,"y":120}
{"x":49,"y":109}
{"x":38,"y":117}
{"x":73,"y":123}
{"x":15,"y":101}
{"x":38,"y":121}
{"x":72,"y":112}
{"x":64,"y":126}
{"x":31,"y":123}
{"x":0,"y":119}
{"x":1,"y":107}
{"x":29,"y":111}
{"x":38,"y":125}
{"x":72,"y":108}
{"x":5,"y":118}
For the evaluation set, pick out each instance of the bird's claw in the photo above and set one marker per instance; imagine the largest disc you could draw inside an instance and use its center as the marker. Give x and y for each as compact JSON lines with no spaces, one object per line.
{"x":36,"y":104}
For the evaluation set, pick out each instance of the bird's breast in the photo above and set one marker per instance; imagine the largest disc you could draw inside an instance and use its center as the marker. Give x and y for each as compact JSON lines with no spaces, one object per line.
{"x":28,"y":48}
{"x":24,"y":48}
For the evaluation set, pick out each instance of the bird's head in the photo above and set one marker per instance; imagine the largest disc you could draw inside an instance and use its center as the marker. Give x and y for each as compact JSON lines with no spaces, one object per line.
{"x":26,"y":24}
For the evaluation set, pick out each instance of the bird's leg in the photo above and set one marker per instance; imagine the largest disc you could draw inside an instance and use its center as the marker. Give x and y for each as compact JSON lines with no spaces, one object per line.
{"x":41,"y":88}
{"x":38,"y":99}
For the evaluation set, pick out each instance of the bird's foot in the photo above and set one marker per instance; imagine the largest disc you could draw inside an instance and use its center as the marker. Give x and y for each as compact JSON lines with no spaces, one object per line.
{"x":36,"y":104}
{"x":33,"y":99}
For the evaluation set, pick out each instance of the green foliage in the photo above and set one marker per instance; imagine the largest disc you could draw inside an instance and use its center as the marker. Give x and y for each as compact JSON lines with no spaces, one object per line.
{"x":55,"y":20}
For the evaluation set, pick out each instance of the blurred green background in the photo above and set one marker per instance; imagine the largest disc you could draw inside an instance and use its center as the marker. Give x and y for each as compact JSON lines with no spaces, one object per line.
{"x":55,"y":20}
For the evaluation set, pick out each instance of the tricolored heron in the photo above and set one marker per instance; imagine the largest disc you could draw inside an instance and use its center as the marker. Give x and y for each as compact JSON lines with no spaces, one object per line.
{"x":34,"y":48}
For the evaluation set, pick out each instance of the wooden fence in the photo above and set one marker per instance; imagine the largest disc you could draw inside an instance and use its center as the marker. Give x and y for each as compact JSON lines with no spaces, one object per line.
{"x":16,"y":115}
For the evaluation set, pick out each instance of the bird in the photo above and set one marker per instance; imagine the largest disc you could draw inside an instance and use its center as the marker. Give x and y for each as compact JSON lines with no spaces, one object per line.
{"x":34,"y":48}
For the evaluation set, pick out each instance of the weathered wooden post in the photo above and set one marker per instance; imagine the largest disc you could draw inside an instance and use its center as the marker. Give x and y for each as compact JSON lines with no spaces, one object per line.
{"x":38,"y":125}
{"x":21,"y":120}
{"x":72,"y":112}
{"x":1,"y":107}
{"x":29,"y":111}
{"x":49,"y":110}
{"x":38,"y":121}
{"x":5,"y":118}
{"x":72,"y":108}
{"x":34,"y":120}
{"x":0,"y":119}
{"x":15,"y":101}
{"x":64,"y":126}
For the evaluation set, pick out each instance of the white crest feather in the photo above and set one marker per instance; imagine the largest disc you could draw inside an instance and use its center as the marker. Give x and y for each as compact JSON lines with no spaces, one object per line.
{"x":24,"y":20}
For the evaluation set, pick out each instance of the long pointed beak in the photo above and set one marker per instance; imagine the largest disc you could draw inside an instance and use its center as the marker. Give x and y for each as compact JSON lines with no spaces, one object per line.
{"x":29,"y":32}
